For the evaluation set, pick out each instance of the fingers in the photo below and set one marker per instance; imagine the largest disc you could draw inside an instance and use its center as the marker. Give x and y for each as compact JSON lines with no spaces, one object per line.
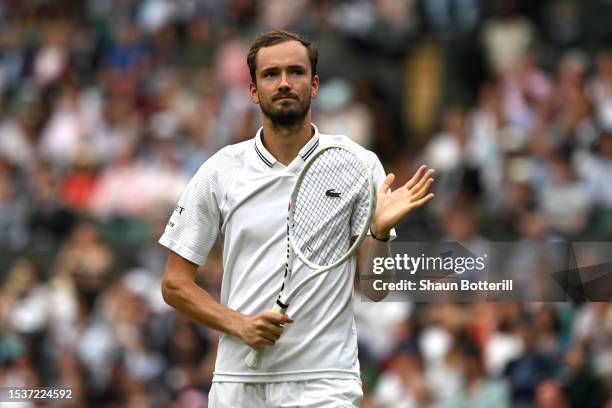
{"x":417,"y":176}
{"x":270,"y":336}
{"x":425,"y":178}
{"x":423,"y":189}
{"x":266,"y":328}
{"x":274,"y":329}
{"x":265,"y":333}
{"x":276,"y":318}
{"x":386,"y":184}
{"x":423,"y":200}
{"x":262,"y":342}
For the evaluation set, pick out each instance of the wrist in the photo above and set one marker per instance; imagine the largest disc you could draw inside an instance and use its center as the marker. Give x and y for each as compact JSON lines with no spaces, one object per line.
{"x":379,"y":236}
{"x":238,"y":322}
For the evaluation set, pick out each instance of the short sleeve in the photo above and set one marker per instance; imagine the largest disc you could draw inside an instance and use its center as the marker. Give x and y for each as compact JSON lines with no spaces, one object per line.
{"x":195,"y":221}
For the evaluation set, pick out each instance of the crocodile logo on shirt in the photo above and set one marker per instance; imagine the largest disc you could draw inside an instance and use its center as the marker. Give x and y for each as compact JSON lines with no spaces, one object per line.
{"x":332,"y":193}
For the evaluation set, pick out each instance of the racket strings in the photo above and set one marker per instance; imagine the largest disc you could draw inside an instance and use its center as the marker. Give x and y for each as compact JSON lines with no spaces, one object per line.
{"x":331,"y":206}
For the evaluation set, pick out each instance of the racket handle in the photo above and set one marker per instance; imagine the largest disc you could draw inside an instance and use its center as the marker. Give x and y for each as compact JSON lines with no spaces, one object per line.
{"x":253,"y":359}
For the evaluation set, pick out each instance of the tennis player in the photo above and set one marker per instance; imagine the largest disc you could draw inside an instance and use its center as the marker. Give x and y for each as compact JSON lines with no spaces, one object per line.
{"x":241,"y":193}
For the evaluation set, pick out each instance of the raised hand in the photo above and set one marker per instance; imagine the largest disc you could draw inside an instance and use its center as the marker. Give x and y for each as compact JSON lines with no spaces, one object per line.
{"x":392,"y":206}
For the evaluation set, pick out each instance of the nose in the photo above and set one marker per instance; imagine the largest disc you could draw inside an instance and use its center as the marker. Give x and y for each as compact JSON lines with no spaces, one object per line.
{"x":284,"y":83}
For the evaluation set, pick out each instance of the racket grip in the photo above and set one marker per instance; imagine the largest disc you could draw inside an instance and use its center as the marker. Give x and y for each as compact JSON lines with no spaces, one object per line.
{"x":253,"y":359}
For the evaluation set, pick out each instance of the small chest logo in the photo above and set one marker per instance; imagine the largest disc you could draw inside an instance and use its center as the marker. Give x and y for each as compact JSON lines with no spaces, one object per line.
{"x":332,"y":193}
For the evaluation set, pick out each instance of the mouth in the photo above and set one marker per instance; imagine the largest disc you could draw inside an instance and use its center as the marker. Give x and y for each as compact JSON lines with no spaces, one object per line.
{"x":284,"y":98}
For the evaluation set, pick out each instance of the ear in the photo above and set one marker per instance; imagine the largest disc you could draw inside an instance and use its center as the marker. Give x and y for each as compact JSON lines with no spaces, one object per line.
{"x":314,"y":90}
{"x":253,"y":93}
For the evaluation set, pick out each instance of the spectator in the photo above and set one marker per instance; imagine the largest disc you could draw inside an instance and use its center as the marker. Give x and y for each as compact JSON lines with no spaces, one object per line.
{"x":565,"y":199}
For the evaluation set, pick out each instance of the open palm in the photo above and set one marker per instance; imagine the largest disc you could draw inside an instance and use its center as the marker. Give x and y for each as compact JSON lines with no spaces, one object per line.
{"x":392,"y":206}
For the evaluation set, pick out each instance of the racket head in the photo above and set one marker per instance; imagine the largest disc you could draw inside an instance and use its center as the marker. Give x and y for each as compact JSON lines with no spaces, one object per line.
{"x":331,"y":207}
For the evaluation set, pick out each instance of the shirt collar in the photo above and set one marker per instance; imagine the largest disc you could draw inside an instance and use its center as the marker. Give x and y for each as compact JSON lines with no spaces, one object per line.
{"x":262,"y":152}
{"x":269,"y":160}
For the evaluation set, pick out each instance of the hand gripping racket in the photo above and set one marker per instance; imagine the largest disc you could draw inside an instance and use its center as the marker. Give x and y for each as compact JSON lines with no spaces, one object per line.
{"x":330,"y":210}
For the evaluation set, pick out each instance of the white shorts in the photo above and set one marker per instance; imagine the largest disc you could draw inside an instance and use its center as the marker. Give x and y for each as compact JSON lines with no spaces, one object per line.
{"x":324,"y":393}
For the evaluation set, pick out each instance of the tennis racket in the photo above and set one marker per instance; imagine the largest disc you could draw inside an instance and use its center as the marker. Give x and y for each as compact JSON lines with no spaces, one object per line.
{"x":330,"y":211}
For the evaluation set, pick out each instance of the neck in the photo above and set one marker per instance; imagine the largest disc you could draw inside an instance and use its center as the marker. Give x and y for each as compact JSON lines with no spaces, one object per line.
{"x":285,"y":142}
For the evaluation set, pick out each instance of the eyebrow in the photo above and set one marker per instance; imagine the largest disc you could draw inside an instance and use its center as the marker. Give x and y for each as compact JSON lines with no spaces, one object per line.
{"x":275,"y":67}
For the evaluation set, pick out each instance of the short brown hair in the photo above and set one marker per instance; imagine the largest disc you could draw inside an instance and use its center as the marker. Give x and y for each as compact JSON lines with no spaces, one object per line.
{"x":276,"y":37}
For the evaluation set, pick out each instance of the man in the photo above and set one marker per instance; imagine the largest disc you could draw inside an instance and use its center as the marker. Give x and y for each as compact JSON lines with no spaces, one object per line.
{"x":242,"y":192}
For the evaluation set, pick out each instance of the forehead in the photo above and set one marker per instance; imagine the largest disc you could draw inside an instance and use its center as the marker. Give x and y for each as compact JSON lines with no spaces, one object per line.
{"x":284,"y":54}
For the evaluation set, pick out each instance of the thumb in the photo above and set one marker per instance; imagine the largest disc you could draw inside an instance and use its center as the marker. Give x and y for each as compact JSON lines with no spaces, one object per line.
{"x":280,"y":318}
{"x":386,"y":184}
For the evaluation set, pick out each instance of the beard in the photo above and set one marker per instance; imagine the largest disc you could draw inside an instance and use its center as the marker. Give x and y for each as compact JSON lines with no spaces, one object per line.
{"x":286,"y":115}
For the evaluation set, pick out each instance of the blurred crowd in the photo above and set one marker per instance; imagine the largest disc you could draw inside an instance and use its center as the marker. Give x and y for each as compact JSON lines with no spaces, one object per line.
{"x":107,"y":108}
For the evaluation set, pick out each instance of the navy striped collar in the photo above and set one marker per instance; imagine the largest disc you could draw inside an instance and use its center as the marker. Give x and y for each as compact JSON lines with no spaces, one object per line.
{"x":269,"y":160}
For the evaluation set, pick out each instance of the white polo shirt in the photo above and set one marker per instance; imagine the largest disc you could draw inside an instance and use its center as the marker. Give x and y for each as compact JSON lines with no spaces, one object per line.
{"x":242,"y":193}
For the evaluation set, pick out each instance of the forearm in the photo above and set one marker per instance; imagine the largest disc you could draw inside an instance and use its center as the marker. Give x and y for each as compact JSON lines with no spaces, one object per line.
{"x":194,"y":302}
{"x":371,"y":249}
{"x":391,"y":207}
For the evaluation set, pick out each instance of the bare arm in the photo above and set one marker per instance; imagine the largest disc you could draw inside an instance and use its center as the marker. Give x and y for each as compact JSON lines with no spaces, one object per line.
{"x":391,"y":208}
{"x":180,"y":291}
{"x":370,"y":249}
